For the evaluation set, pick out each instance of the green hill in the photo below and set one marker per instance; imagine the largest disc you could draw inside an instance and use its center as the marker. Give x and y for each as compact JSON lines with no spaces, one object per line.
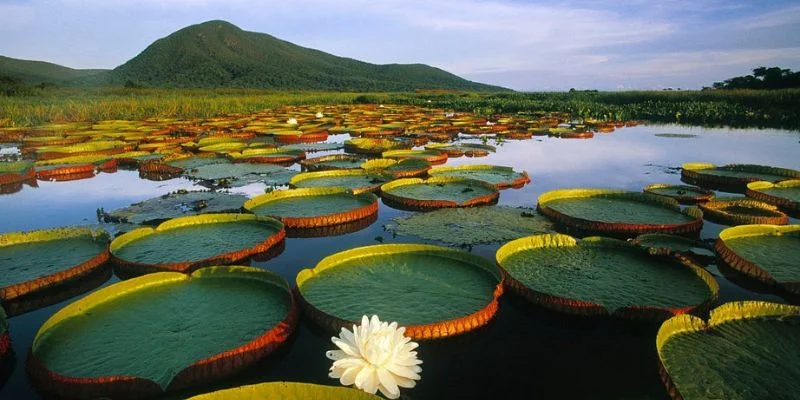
{"x":219,"y":54}
{"x":35,"y":72}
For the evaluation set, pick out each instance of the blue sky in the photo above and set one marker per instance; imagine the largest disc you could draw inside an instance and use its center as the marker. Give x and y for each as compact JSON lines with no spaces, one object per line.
{"x":524,"y":45}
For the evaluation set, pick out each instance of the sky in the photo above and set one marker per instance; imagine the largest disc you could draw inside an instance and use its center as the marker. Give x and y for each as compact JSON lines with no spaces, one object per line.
{"x":523,"y":45}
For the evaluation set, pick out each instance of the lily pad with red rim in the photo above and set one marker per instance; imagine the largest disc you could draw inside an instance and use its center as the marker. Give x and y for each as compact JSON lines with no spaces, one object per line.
{"x":502,"y":177}
{"x":438,"y":192}
{"x":599,"y":276}
{"x":287,"y":390}
{"x":746,"y":350}
{"x":785,"y":194}
{"x":433,"y":291}
{"x":314,"y":207}
{"x":117,"y":342}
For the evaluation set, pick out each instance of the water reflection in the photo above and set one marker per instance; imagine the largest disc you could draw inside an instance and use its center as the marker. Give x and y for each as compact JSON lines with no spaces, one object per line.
{"x":521,"y":348}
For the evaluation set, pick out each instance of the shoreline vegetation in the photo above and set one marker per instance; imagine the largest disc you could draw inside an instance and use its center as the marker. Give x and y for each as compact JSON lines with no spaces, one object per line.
{"x":735,"y":108}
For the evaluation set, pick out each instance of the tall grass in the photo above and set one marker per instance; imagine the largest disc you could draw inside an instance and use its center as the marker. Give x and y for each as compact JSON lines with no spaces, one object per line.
{"x":775,"y":108}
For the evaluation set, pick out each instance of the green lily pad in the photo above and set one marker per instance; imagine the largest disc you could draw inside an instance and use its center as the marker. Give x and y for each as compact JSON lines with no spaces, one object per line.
{"x":460,"y":149}
{"x":416,"y":285}
{"x":600,"y":276}
{"x":747,"y":350}
{"x":314,"y":207}
{"x":734,"y":177}
{"x":36,"y":260}
{"x":432,"y":156}
{"x":131,"y":328}
{"x":234,"y":175}
{"x":742,"y":212}
{"x":684,"y":194}
{"x":785,"y":195}
{"x":658,"y":243}
{"x":190,"y":163}
{"x":502,"y":177}
{"x":357,"y":180}
{"x":405,"y":168}
{"x":335,"y":161}
{"x":172,"y":205}
{"x":473,"y":225}
{"x":268,"y":155}
{"x":768,"y":253}
{"x":184,"y":243}
{"x":313,"y":147}
{"x":287,"y":390}
{"x":618,"y":212}
{"x":373,"y":146}
{"x":438,"y":192}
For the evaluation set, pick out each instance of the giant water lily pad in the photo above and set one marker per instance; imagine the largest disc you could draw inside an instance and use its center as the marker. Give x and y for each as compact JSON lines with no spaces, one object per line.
{"x":404,"y":168}
{"x":742,"y":211}
{"x":172,"y":205}
{"x":37,"y":260}
{"x":186,"y":243}
{"x":438,"y":192}
{"x":233,"y":175}
{"x":334,"y":161}
{"x":603,"y":276}
{"x":460,"y":149}
{"x":373,"y":146}
{"x":268,"y":155}
{"x":502,"y":177}
{"x":684,"y":194}
{"x":768,"y":253}
{"x":662,"y":244}
{"x":473,"y":225}
{"x":287,"y":390}
{"x":313,"y":147}
{"x":747,"y":350}
{"x":432,"y":156}
{"x":733,"y":177}
{"x":314,"y":207}
{"x":785,"y":195}
{"x":357,"y":180}
{"x":433,"y":291}
{"x":120,"y":341}
{"x":618,"y":212}
{"x":16,"y":171}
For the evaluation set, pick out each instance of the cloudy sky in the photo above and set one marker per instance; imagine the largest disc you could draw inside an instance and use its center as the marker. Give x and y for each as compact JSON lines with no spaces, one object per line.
{"x":524,"y":45}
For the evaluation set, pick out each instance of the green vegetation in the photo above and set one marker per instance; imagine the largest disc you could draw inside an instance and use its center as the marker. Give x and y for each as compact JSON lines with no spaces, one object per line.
{"x":219,"y":54}
{"x":763,"y":78}
{"x":40,"y":72}
{"x":763,"y":108}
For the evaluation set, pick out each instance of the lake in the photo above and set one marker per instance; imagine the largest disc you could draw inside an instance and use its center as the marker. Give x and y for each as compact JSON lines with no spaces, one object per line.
{"x":523,"y":349}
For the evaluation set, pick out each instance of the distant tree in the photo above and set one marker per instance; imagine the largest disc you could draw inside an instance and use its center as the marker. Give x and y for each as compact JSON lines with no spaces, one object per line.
{"x":763,"y":78}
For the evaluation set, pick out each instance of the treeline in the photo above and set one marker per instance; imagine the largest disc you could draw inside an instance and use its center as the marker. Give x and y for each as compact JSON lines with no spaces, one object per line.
{"x":763,"y":78}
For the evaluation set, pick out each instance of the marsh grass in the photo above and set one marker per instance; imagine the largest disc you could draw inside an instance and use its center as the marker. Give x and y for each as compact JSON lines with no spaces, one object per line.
{"x":744,"y":108}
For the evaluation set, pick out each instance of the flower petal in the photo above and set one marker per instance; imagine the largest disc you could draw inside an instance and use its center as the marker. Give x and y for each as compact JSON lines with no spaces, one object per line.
{"x":349,"y":376}
{"x":346,"y":347}
{"x":388,"y":383}
{"x":406,"y":372}
{"x":367,"y":380}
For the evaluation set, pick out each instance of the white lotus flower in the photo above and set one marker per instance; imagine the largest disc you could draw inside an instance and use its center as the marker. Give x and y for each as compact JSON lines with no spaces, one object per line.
{"x":319,"y":114}
{"x":291,"y":121}
{"x":375,"y":356}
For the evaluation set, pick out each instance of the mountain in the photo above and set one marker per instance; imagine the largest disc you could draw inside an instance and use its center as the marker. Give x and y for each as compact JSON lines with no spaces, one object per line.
{"x":35,"y":72}
{"x":219,"y":54}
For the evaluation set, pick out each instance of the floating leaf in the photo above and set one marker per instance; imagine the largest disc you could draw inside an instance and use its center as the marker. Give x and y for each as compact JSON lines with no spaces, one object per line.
{"x":314,"y":207}
{"x":186,"y":243}
{"x":733,"y":177}
{"x":681,"y":193}
{"x":785,"y":195}
{"x":433,"y":291}
{"x":768,"y":253}
{"x":357,"y":180}
{"x":742,"y":212}
{"x":233,"y":175}
{"x":287,"y":390}
{"x":438,"y":192}
{"x":37,"y":260}
{"x":603,"y":276}
{"x":617,"y":212}
{"x":143,"y":319}
{"x":502,"y":177}
{"x":172,"y":205}
{"x":747,"y":350}
{"x":471,"y":226}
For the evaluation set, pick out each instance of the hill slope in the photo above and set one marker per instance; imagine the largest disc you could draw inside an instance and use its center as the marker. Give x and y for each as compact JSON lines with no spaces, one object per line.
{"x":30,"y":71}
{"x":219,"y":54}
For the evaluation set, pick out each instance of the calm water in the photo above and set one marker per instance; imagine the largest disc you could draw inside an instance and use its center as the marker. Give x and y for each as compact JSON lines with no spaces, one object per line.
{"x":523,"y":350}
